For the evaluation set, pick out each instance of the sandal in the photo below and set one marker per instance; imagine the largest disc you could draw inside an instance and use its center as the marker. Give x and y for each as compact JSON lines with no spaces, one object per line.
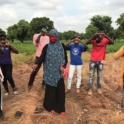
{"x":63,"y":114}
{"x":52,"y":112}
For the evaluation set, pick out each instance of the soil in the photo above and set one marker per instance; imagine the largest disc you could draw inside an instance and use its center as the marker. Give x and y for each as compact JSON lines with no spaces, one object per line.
{"x":80,"y":107}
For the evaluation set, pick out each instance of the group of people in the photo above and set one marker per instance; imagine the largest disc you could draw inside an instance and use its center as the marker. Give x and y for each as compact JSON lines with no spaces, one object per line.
{"x":52,"y":54}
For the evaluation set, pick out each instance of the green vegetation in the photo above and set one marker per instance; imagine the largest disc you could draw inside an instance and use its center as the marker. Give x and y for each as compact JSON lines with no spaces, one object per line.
{"x":27,"y":51}
{"x":24,"y":30}
{"x":28,"y":48}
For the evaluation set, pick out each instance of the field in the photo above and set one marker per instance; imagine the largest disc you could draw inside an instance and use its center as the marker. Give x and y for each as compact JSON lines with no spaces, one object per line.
{"x":80,"y":108}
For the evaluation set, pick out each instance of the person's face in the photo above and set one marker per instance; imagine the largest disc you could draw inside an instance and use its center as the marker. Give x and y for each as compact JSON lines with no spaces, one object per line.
{"x":2,"y":40}
{"x":53,"y":38}
{"x":52,"y":35}
{"x":101,"y":32}
{"x":76,"y":40}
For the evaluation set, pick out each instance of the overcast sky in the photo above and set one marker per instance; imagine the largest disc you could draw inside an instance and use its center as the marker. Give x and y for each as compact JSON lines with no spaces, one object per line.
{"x":66,"y":14}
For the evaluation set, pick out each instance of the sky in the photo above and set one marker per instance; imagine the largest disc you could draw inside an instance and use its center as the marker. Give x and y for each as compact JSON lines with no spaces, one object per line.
{"x":66,"y":14}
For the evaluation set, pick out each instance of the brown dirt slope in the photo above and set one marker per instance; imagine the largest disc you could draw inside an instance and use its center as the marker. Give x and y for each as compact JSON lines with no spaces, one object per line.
{"x":80,"y":108}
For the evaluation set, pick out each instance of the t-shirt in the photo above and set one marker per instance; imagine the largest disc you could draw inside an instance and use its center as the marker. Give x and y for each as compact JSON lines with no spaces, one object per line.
{"x":39,"y":46}
{"x":6,"y":57}
{"x":75,"y":53}
{"x":98,"y":50}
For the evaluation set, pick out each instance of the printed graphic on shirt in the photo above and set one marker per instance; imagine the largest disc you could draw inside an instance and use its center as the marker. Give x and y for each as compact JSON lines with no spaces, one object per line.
{"x":75,"y":51}
{"x":6,"y":48}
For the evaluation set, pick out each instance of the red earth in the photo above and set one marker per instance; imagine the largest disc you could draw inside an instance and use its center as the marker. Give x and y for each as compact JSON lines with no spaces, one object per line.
{"x":80,"y":108}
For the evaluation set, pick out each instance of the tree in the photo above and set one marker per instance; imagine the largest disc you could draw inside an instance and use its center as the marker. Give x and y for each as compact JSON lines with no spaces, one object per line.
{"x":2,"y":32}
{"x":90,"y":31}
{"x":11,"y":32}
{"x":120,"y":23}
{"x":18,"y":31}
{"x":67,"y":35}
{"x":22,"y":30}
{"x":100,"y":21}
{"x":37,"y":23}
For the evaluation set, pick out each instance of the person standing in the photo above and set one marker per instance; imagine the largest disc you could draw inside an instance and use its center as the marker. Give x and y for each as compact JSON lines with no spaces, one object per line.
{"x":39,"y":41}
{"x":76,"y":61}
{"x":1,"y":80}
{"x":99,"y":42}
{"x":54,"y":57}
{"x":6,"y":64}
{"x":118,"y":55}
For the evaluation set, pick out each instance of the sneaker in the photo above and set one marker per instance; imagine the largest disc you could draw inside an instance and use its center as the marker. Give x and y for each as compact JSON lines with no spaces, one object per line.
{"x":99,"y":91}
{"x":90,"y":92}
{"x":67,"y":91}
{"x":1,"y":114}
{"x":15,"y":91}
{"x":78,"y":90}
{"x":6,"y":94}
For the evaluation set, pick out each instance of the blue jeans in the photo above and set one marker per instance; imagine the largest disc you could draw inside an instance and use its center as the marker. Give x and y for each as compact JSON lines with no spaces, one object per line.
{"x":95,"y":65}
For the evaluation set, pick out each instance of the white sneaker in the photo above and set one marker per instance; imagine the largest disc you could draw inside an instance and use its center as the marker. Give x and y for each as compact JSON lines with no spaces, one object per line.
{"x":6,"y":94}
{"x":90,"y":92}
{"x":15,"y":92}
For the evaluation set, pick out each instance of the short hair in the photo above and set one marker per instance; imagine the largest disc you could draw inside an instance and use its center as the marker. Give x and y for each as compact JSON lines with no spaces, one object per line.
{"x":101,"y":29}
{"x":76,"y":36}
{"x":3,"y":35}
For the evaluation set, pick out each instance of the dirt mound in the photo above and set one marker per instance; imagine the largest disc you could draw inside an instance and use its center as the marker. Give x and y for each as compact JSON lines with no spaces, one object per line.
{"x":80,"y":108}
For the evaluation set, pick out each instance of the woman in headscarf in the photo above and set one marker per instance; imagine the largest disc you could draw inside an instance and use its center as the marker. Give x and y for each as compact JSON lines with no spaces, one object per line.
{"x":54,"y":57}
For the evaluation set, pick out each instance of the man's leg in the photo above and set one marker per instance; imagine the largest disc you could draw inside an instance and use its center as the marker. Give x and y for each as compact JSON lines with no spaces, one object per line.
{"x":79,"y":72}
{"x":33,"y":74}
{"x":99,"y":76}
{"x":91,"y":76}
{"x":71,"y":73}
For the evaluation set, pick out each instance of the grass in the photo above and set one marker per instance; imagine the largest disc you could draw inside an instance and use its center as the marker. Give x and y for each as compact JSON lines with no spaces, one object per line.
{"x":27,"y":51}
{"x":29,"y":48}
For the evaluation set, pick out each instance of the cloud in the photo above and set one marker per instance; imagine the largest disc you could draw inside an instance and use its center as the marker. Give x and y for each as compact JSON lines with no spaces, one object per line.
{"x":66,"y":14}
{"x":7,"y":16}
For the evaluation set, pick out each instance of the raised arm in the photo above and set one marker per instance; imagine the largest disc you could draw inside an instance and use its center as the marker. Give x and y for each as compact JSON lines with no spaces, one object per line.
{"x":12,"y":48}
{"x":41,"y":58}
{"x":86,"y":47}
{"x":69,"y":43}
{"x":66,"y":59}
{"x":110,"y":40}
{"x":89,"y":40}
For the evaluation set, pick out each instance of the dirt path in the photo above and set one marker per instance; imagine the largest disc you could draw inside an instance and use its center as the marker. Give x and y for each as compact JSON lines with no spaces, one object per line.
{"x":80,"y":108}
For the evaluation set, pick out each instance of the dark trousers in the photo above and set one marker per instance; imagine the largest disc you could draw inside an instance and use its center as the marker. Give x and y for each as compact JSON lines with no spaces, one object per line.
{"x":34,"y":73}
{"x":7,"y":73}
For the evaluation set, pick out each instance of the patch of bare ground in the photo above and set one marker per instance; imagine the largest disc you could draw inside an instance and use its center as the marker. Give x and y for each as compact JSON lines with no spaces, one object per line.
{"x":80,"y":108}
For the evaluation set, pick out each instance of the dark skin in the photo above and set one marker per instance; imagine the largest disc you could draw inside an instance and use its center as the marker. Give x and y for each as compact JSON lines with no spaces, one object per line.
{"x":41,"y":34}
{"x":102,"y":35}
{"x":76,"y":41}
{"x":5,"y":42}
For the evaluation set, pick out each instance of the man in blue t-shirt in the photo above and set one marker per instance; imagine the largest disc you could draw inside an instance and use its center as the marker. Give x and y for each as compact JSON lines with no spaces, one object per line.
{"x":76,"y":62}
